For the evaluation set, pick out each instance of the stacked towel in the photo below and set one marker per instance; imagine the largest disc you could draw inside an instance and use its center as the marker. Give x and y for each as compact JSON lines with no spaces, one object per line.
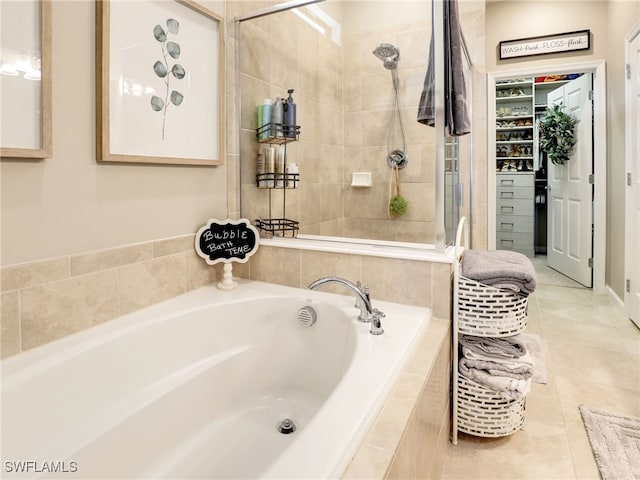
{"x":501,"y":269}
{"x":504,"y":348}
{"x":501,"y":364}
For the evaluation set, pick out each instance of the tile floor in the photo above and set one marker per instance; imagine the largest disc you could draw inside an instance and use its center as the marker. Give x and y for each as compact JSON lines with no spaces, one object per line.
{"x":592,"y":358}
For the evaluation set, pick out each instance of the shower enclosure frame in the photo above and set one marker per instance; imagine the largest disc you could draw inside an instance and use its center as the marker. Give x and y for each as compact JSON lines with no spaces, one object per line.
{"x":440,"y":237}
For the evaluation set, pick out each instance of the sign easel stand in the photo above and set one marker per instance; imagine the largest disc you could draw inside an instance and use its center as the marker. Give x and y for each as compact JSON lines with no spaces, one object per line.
{"x":227,"y":282}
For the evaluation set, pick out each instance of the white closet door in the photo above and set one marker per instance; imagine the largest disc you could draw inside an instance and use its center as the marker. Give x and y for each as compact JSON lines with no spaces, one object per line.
{"x":570,"y":194}
{"x":632,"y":260}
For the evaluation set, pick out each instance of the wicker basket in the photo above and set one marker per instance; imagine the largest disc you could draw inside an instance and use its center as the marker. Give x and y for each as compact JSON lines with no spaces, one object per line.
{"x":484,"y":413}
{"x":485,"y":311}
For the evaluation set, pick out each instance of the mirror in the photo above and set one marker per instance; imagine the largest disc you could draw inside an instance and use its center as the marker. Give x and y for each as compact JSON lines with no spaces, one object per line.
{"x":344,"y":60}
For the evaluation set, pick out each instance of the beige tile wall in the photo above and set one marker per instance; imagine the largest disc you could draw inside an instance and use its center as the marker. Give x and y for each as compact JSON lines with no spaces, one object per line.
{"x":395,"y":280}
{"x":410,"y":282}
{"x":46,"y":300}
{"x":369,"y":108}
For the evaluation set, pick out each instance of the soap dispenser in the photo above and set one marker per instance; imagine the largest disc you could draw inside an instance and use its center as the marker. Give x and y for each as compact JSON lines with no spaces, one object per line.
{"x":289,"y":116}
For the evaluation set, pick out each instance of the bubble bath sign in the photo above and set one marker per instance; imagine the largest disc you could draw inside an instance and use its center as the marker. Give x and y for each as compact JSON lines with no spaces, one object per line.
{"x":227,"y":241}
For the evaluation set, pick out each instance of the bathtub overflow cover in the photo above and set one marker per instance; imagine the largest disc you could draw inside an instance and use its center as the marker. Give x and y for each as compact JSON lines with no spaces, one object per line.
{"x":286,"y":426}
{"x":307,"y":316}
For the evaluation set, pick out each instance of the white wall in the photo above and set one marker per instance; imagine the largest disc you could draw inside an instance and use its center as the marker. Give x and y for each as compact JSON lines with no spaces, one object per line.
{"x":70,"y":203}
{"x":623,"y":14}
{"x":608,"y":22}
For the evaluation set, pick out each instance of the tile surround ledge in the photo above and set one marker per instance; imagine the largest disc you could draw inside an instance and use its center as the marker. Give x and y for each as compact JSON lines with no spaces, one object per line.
{"x":404,"y":251}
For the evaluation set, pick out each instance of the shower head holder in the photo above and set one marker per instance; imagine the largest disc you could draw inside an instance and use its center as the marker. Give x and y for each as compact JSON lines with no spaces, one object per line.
{"x":397,"y":158}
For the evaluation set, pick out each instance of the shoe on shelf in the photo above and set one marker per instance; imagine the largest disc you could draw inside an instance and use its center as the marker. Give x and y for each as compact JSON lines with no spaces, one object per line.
{"x":516,"y":151}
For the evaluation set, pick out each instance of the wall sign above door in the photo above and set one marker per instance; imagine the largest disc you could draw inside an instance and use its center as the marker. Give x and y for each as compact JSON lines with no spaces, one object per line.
{"x":546,"y":44}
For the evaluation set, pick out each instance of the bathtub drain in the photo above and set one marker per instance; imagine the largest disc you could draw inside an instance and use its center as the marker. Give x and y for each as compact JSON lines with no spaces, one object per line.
{"x":286,"y":426}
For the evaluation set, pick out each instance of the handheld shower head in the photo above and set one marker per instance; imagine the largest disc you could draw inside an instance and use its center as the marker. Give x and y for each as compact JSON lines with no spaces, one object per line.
{"x":388,"y":54}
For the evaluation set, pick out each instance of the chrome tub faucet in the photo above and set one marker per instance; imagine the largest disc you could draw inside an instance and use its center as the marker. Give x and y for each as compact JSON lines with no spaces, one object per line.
{"x":367,"y":312}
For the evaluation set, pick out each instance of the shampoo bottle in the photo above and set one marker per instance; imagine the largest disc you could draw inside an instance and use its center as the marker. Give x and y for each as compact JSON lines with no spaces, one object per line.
{"x":260,"y":170}
{"x":264,"y":118}
{"x":269,"y":166}
{"x":280,"y":167}
{"x":276,"y":117}
{"x":292,"y":178}
{"x":289,"y":112}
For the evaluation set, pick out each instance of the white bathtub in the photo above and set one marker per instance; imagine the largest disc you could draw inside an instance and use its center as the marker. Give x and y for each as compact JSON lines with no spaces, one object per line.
{"x":196,"y":386}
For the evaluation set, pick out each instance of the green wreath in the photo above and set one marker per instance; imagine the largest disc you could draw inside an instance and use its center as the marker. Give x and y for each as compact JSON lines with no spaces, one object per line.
{"x":557,"y":134}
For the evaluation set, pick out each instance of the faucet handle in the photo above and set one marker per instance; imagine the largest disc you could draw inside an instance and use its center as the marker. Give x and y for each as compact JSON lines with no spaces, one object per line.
{"x":376,"y":324}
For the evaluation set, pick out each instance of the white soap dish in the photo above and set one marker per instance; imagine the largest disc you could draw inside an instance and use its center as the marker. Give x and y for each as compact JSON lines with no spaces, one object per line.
{"x":361,"y":179}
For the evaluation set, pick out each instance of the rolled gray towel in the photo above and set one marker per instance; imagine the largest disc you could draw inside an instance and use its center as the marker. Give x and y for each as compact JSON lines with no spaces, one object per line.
{"x":498,"y":369}
{"x":507,"y":387}
{"x":500,"y":269}
{"x":490,"y":348}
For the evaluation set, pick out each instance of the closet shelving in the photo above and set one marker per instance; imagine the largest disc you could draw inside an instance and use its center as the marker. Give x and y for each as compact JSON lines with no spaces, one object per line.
{"x":515,"y":163}
{"x":514,"y":125}
{"x":278,"y":134}
{"x":482,"y":311}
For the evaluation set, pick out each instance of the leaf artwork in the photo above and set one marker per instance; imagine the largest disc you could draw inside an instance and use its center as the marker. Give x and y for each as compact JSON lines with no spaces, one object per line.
{"x":170,"y":50}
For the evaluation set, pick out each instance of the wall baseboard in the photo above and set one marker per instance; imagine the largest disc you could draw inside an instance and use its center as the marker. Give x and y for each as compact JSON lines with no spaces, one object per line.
{"x":614,"y":296}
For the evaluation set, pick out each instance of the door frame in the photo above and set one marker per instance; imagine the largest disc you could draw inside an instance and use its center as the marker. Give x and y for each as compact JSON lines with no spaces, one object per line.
{"x":630,"y":251}
{"x":598,"y":69}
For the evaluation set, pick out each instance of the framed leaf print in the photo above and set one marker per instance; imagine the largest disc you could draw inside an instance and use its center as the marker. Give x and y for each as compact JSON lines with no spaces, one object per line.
{"x":159,"y":82}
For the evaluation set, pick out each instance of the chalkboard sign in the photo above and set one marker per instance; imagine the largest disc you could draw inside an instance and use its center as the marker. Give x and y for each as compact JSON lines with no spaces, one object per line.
{"x":227,"y":241}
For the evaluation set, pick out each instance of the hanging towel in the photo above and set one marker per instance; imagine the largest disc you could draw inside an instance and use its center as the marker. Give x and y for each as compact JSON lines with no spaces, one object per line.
{"x":456,"y":90}
{"x":456,"y":116}
{"x":427,"y":105}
